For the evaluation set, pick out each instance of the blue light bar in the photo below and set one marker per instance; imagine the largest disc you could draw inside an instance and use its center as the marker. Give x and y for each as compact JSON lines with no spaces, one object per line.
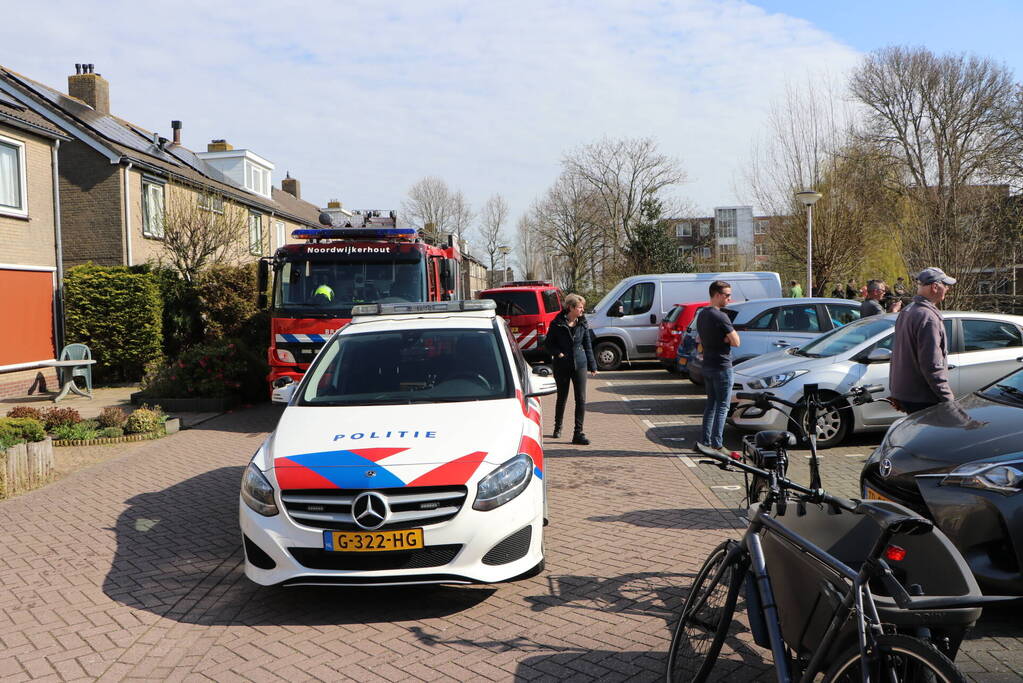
{"x":352,"y":233}
{"x":425,"y":307}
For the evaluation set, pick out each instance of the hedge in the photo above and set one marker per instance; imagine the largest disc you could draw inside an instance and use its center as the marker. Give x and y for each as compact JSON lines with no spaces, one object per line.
{"x":118,"y":313}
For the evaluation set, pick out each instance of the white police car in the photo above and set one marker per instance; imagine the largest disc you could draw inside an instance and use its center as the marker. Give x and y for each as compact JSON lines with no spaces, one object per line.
{"x":410,"y":452}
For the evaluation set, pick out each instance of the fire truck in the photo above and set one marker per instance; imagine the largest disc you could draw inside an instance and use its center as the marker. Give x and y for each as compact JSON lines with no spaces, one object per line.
{"x":317,"y":282}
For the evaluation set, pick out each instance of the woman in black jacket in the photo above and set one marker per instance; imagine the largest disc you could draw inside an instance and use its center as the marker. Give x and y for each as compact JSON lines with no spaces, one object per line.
{"x":568,"y":341}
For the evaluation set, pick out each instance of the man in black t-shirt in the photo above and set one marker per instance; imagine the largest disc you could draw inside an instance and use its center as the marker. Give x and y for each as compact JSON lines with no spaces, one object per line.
{"x":717,"y":337}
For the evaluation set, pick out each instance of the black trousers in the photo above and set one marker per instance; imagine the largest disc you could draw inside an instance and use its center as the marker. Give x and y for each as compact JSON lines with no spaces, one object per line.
{"x":565,"y":374}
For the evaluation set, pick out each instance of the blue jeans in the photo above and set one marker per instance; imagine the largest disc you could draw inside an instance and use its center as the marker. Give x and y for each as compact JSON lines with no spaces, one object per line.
{"x":718,"y":382}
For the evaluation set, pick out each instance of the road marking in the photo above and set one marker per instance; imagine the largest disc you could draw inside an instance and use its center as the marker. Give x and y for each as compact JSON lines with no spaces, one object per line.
{"x":673,"y":438}
{"x":651,"y":425}
{"x":854,"y":455}
{"x":687,"y":460}
{"x":653,"y":398}
{"x":728,"y":487}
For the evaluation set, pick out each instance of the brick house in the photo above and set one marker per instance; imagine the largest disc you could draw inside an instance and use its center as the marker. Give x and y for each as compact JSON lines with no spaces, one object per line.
{"x":29,"y":251}
{"x":119,"y":180}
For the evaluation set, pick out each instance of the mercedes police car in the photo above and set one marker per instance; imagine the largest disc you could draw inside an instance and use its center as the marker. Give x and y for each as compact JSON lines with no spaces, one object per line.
{"x":410,"y":452}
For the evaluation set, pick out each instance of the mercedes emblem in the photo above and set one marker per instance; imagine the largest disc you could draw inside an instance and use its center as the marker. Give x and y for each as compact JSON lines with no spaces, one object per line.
{"x":370,"y":510}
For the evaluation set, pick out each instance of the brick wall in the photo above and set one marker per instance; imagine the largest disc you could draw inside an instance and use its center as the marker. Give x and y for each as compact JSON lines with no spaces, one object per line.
{"x":30,"y":241}
{"x":28,"y":382}
{"x":90,"y":199}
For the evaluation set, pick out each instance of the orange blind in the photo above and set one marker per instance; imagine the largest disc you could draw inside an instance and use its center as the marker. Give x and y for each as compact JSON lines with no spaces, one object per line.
{"x":26,"y":316}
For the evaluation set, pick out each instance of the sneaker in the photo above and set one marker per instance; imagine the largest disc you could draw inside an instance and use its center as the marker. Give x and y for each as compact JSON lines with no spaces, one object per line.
{"x":727,"y":452}
{"x":557,"y":433}
{"x":580,"y":439}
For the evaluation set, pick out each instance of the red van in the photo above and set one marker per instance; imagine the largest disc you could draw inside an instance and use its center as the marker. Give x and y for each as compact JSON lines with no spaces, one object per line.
{"x":529,"y":307}
{"x":672,"y":327}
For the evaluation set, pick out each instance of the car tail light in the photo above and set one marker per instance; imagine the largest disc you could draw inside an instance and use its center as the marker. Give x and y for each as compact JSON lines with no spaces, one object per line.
{"x":894,"y":553}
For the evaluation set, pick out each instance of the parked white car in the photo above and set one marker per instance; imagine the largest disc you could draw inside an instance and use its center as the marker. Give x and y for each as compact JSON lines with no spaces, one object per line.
{"x":410,"y":453}
{"x":982,"y":348}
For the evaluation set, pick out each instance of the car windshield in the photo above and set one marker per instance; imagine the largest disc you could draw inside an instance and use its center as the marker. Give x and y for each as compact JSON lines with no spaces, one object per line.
{"x":1008,"y":388}
{"x":513,"y":303}
{"x":408,"y":366}
{"x":330,"y":288}
{"x":846,"y":337}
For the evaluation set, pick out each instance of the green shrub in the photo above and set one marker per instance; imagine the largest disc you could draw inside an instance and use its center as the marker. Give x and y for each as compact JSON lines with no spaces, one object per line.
{"x":227,"y":298}
{"x":15,"y":430}
{"x":75,"y":432}
{"x":89,"y":424}
{"x":145,"y":419}
{"x":25,"y":411}
{"x":211,"y":370}
{"x":58,"y":417}
{"x":113,"y":416}
{"x":183,"y":325}
{"x":118,"y":313}
{"x":111,"y":432}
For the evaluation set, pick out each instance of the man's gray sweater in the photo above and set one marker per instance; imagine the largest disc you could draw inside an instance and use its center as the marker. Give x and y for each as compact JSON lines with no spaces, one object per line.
{"x":919,"y":369}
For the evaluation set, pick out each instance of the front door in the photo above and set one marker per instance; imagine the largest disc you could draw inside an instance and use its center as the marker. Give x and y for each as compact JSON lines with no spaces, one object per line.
{"x":990,"y":349}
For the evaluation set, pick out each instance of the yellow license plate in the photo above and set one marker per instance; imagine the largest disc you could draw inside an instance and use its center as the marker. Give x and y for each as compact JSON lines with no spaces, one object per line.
{"x":874,"y":495}
{"x":372,"y":541}
{"x":683,"y":360}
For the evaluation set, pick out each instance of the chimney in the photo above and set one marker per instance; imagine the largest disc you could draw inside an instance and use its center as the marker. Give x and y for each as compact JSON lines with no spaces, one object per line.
{"x":291,"y":186}
{"x":89,"y":87}
{"x":176,"y":127}
{"x":333,"y":204}
{"x":218,"y":146}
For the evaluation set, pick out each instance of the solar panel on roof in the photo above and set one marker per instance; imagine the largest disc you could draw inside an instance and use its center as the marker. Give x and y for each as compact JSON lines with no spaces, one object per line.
{"x":10,"y":101}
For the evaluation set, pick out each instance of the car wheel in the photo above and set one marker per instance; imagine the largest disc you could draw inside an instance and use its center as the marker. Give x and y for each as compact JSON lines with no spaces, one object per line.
{"x":696,"y":377}
{"x":832,"y":425}
{"x":609,"y":355}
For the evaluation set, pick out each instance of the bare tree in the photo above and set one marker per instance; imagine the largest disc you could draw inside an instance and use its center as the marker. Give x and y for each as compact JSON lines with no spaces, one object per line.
{"x":940,"y":120}
{"x":429,"y":207}
{"x":461,"y":215}
{"x":623,"y":174}
{"x":493,"y":217}
{"x":201,"y":230}
{"x":530,"y":251}
{"x":567,"y":221}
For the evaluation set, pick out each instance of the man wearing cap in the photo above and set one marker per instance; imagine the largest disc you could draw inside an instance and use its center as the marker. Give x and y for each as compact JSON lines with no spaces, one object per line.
{"x":918,"y":375}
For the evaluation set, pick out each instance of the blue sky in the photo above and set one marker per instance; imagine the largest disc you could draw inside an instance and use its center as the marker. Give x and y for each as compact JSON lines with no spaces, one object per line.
{"x":360,"y":99}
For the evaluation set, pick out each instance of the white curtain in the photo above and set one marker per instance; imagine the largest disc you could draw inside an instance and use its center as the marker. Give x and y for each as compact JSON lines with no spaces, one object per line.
{"x":10,"y":176}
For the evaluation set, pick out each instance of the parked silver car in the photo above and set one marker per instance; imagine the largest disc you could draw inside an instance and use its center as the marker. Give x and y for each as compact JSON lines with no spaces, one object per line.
{"x":982,"y":348}
{"x":768,"y":325}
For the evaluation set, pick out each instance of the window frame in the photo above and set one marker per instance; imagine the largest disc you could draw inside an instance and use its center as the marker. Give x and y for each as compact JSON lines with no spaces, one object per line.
{"x":22,"y":164}
{"x":281,"y":231}
{"x":208,"y":201}
{"x":808,"y":307}
{"x":255,"y":246}
{"x":684,"y":229}
{"x":964,"y":322}
{"x":150,"y":183}
{"x":760,"y":226}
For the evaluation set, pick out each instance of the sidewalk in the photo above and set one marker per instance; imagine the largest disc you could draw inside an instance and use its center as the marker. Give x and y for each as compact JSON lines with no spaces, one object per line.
{"x":90,"y":408}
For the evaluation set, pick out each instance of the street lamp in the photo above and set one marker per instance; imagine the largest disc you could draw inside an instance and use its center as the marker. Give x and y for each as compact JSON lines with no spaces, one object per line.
{"x":809,"y":198}
{"x":504,"y":249}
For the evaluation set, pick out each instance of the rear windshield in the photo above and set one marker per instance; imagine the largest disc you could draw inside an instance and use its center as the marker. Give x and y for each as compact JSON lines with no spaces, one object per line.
{"x":513,"y":303}
{"x":551,"y":300}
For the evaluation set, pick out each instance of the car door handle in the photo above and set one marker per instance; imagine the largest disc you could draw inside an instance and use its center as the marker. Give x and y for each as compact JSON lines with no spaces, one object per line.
{"x":781,"y":342}
{"x":653,"y":319}
{"x":1020,"y":359}
{"x":952,"y":367}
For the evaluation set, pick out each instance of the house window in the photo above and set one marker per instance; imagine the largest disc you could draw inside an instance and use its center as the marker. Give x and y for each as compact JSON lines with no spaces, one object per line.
{"x":255,"y":233}
{"x":726,"y":220}
{"x":684,"y":230}
{"x":726,"y":252}
{"x":152,"y":209}
{"x":12,"y":177}
{"x":210,"y":202}
{"x":705,"y":252}
{"x":704,"y":228}
{"x":760,"y":249}
{"x":282,"y":236}
{"x":257,"y":179}
{"x":760,"y":227}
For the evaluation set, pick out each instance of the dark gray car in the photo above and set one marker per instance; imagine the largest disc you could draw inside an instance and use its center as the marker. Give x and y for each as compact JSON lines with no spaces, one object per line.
{"x":961,"y":464}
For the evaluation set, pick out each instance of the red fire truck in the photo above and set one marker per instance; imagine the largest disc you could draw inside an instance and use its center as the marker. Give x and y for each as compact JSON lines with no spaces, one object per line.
{"x":316,"y":283}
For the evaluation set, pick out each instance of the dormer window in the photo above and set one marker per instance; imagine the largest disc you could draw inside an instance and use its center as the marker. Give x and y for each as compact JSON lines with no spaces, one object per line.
{"x":257,"y":179}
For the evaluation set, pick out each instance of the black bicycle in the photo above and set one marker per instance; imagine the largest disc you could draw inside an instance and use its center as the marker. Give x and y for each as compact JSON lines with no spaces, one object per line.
{"x":854,"y":590}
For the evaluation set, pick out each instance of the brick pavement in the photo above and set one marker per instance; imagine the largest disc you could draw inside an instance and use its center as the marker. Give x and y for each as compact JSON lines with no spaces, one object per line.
{"x":131,"y":569}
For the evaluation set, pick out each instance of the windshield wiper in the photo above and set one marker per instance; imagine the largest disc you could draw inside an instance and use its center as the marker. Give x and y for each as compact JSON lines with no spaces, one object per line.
{"x":1011,"y":390}
{"x":804,"y":354}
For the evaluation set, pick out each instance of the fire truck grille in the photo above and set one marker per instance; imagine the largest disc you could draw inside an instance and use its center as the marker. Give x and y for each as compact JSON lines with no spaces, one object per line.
{"x":408,"y":507}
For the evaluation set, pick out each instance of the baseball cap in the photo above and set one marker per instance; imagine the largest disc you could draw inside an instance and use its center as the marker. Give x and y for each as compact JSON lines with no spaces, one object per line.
{"x":931,"y":275}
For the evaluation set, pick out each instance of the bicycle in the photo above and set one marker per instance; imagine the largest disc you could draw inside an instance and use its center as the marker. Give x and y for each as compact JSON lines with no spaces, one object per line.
{"x":845,"y":630}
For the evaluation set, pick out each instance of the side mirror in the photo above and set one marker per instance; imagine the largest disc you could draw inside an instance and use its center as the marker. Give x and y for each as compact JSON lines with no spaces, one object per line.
{"x":284,"y":390}
{"x":263,"y":279}
{"x":616,"y":310}
{"x":449,"y":274}
{"x":541,"y":385}
{"x":879,"y":356}
{"x":542,"y":370}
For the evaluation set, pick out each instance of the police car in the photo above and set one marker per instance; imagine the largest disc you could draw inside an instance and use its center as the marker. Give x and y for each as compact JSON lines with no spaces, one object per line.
{"x":410,"y":452}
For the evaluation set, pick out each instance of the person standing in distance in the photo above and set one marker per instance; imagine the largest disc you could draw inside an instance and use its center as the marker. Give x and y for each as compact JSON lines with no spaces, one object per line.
{"x":795,"y":289}
{"x":717,"y":337}
{"x":568,"y":342}
{"x":871,"y":304}
{"x":918,"y":375}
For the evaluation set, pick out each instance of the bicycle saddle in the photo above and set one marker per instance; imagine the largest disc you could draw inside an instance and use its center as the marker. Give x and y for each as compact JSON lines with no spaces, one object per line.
{"x":897,"y":522}
{"x":775,"y":439}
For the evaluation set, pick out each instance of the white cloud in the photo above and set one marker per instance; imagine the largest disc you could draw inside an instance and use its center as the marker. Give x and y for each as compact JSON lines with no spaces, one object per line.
{"x":361,"y":99}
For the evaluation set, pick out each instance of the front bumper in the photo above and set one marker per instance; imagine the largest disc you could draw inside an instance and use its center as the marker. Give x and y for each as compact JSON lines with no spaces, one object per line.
{"x":454,"y":550}
{"x":983,"y":525}
{"x":775,"y":418}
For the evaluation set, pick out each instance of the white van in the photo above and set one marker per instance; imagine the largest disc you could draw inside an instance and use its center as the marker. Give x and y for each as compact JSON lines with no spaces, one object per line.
{"x":625,"y":322}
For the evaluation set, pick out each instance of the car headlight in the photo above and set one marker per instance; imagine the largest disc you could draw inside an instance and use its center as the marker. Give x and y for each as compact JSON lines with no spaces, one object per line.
{"x":1001,"y":477}
{"x":257,"y":492}
{"x":504,"y":483}
{"x":778,"y":380}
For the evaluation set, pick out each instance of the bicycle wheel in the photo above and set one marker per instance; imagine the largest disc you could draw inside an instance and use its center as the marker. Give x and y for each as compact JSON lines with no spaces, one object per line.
{"x":706,"y":616}
{"x":903,"y":659}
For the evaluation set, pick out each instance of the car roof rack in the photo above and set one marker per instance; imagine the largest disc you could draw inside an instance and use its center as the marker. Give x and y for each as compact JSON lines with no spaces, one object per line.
{"x":418,"y":307}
